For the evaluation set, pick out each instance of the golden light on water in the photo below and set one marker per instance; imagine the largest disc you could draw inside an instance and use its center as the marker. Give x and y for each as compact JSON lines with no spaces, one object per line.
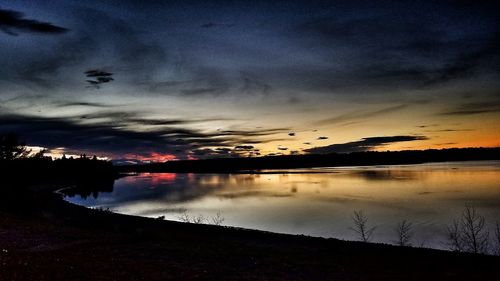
{"x":320,"y":201}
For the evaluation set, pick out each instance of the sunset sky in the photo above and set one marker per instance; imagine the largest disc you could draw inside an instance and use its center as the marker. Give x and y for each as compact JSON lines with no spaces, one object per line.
{"x":144,"y":80}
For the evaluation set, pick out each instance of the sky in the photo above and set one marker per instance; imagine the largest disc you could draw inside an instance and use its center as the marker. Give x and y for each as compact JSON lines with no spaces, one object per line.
{"x":164,"y":80}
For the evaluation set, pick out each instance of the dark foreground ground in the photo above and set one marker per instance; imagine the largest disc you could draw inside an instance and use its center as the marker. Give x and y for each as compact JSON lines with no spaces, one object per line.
{"x":45,"y":238}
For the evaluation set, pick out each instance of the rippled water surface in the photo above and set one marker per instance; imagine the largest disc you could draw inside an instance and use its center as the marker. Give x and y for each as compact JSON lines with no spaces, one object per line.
{"x":317,"y":202}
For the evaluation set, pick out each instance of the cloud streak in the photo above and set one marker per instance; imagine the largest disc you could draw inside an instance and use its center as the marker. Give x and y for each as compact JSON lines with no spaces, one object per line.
{"x":12,"y":20}
{"x":473,"y":108}
{"x":365,"y":144}
{"x":359,"y":116}
{"x":120,"y":133}
{"x":98,"y":77}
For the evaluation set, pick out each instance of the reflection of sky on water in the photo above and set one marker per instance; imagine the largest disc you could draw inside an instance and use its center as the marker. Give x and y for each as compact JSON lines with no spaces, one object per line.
{"x":317,"y":202}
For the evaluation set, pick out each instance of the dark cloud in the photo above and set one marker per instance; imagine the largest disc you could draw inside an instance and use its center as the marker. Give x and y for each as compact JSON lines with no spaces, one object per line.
{"x":13,"y":20}
{"x":222,"y":152}
{"x":426,"y":126}
{"x":167,"y":122}
{"x":364,"y":144}
{"x":96,"y":73}
{"x":474,"y":108}
{"x":200,"y":81}
{"x":76,"y":136}
{"x":244,"y":147}
{"x":445,"y":143}
{"x":136,"y":54}
{"x":110,"y":133}
{"x":291,"y":134}
{"x":253,"y":133}
{"x":202,"y":91}
{"x":306,"y":57}
{"x":99,"y":77}
{"x":322,"y":138}
{"x":399,"y":49}
{"x":448,"y":130}
{"x":359,"y":116}
{"x":84,"y":104}
{"x":41,"y":70}
{"x":58,"y":64}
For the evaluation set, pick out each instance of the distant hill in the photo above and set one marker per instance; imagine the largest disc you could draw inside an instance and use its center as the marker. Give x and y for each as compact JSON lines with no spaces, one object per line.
{"x":222,"y":165}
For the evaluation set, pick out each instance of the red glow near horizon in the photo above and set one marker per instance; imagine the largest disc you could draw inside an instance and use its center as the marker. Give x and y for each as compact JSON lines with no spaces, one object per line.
{"x":152,"y":157}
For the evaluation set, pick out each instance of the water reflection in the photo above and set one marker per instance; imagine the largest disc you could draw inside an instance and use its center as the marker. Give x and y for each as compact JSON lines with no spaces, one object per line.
{"x":317,"y":202}
{"x":384,"y":175}
{"x":94,"y":188}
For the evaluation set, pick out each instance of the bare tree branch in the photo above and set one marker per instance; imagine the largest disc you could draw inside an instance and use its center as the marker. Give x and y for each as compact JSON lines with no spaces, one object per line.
{"x":404,"y":230}
{"x":361,"y":228}
{"x":11,"y":148}
{"x":469,"y":232}
{"x":497,"y":239}
{"x":218,"y":219}
{"x":454,"y":236}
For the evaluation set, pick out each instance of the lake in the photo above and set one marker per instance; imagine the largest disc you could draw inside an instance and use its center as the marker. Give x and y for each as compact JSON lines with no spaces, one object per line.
{"x":318,"y":201}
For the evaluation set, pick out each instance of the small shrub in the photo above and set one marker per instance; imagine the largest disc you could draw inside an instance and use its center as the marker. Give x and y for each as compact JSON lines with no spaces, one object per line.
{"x":361,"y":228}
{"x":468,"y":233}
{"x":404,"y":230}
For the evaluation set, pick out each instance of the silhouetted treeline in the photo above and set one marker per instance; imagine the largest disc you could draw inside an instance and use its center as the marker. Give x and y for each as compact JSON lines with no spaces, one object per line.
{"x":45,"y":169}
{"x":19,"y":165}
{"x":315,"y":160}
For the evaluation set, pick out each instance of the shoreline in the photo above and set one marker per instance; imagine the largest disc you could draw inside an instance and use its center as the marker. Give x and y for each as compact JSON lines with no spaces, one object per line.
{"x":310,"y":170}
{"x":369,"y":158}
{"x":58,"y":240}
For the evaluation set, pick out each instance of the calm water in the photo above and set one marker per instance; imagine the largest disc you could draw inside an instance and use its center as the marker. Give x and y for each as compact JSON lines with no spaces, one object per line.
{"x":317,"y":202}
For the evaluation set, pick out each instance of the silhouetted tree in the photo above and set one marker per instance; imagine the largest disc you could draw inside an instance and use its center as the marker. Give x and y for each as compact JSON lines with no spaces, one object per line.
{"x":468,"y":233}
{"x":454,"y":237}
{"x":361,"y":228}
{"x":404,"y":230}
{"x":218,"y":219}
{"x":11,"y":148}
{"x":497,"y":239}
{"x":185,"y":217}
{"x":40,"y":155}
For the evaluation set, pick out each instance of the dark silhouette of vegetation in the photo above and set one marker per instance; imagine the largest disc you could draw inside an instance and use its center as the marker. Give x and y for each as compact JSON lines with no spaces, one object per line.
{"x":87,"y":188}
{"x":404,"y":230}
{"x":318,"y":160}
{"x":11,"y":148}
{"x":40,"y":169}
{"x":218,"y":219}
{"x":497,"y":239}
{"x":199,"y":219}
{"x":361,"y":228}
{"x":468,"y":233}
{"x":20,"y":167}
